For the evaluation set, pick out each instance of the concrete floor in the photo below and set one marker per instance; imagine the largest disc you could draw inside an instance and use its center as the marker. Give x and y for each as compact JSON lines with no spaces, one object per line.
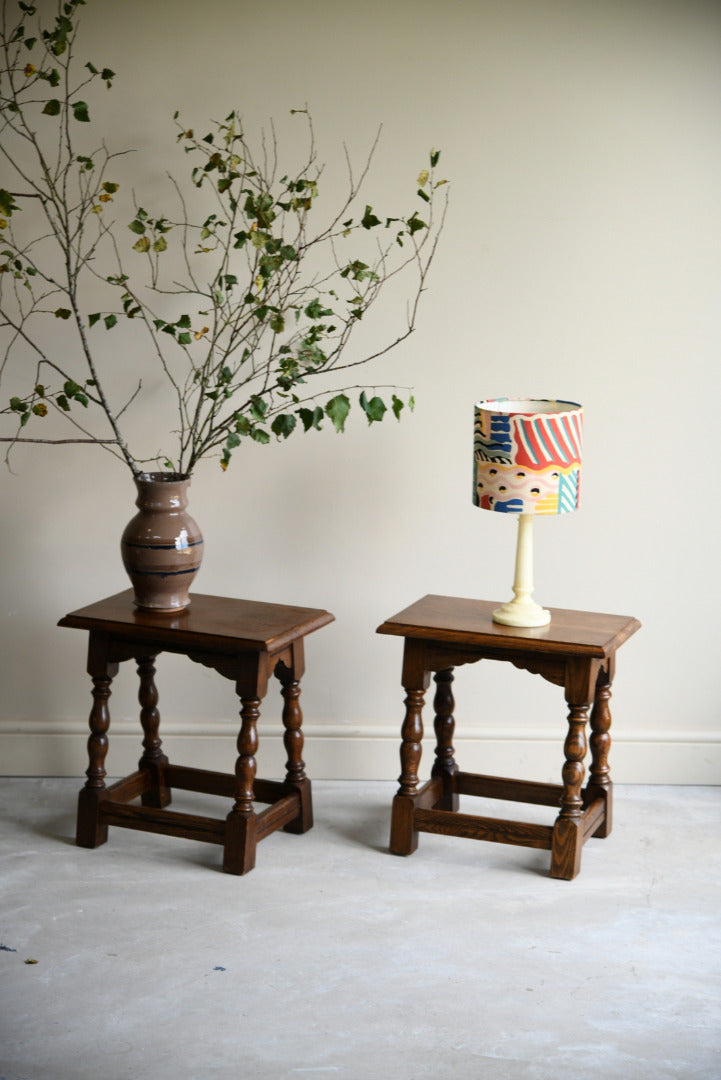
{"x":335,"y":959}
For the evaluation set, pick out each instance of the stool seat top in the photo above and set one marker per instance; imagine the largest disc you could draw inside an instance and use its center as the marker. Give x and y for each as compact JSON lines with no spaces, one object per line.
{"x":470,"y":622}
{"x":217,"y":621}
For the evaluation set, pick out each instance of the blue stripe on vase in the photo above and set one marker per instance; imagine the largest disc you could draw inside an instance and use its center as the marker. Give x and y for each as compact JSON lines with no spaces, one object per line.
{"x":162,"y":573}
{"x":161,"y":547}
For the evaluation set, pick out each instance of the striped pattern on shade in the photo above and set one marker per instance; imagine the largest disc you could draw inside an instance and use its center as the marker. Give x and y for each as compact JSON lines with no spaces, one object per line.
{"x":527,"y":455}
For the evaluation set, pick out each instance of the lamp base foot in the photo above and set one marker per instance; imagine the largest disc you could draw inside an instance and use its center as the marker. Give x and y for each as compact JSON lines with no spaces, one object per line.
{"x":515,"y":613}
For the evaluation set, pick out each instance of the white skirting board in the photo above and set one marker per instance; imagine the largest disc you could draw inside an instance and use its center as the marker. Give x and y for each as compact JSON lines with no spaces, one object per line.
{"x":370,"y":752}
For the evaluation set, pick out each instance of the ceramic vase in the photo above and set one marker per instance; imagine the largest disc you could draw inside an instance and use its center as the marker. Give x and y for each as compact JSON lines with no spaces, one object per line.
{"x":162,"y":546}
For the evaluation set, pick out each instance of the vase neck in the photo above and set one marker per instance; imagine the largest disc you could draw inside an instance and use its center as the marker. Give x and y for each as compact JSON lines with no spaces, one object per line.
{"x":162,"y":491}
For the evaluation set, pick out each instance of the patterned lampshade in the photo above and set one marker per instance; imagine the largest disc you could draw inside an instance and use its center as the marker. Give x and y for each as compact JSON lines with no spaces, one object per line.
{"x":526,"y":461}
{"x":527,"y":456}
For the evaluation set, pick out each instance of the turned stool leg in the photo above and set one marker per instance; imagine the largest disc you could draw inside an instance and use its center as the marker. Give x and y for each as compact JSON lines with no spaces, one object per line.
{"x":90,"y":832}
{"x":404,"y":838}
{"x":293,"y":741}
{"x":444,"y":725}
{"x":153,"y":759}
{"x":240,"y":826}
{"x":599,"y":781}
{"x":568,"y":830}
{"x":412,"y":742}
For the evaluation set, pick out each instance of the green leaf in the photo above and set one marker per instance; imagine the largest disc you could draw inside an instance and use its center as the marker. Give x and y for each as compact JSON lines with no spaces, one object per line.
{"x":337,"y":410}
{"x":310,"y":355}
{"x":142,"y":245}
{"x":397,"y":407}
{"x":369,"y":220}
{"x":260,"y":435}
{"x":283,"y":425}
{"x":435,"y":155}
{"x":258,"y":407}
{"x":62,"y":313}
{"x":52,"y":107}
{"x":260,"y":208}
{"x":259,"y":239}
{"x":277,"y":322}
{"x":315,"y":310}
{"x":80,"y":111}
{"x":184,"y":339}
{"x":110,"y":321}
{"x":268,"y":265}
{"x":358,"y":271}
{"x":92,"y":319}
{"x":311,"y":418}
{"x":374,"y":409}
{"x":72,"y":390}
{"x":7,"y":203}
{"x":137,"y":226}
{"x":414,"y":224}
{"x":161,"y":244}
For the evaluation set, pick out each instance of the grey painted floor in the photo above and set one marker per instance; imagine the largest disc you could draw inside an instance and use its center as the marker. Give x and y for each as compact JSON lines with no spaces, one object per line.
{"x":335,"y":959}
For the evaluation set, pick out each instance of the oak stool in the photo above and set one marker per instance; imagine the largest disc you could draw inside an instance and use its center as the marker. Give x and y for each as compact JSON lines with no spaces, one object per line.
{"x":576,"y":651}
{"x":242,"y":640}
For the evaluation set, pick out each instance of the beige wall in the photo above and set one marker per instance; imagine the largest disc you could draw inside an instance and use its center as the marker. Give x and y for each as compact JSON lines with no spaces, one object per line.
{"x":580,"y":260}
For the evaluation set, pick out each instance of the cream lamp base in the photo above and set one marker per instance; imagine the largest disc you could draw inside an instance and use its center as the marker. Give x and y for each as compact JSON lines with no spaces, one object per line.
{"x":523,"y":610}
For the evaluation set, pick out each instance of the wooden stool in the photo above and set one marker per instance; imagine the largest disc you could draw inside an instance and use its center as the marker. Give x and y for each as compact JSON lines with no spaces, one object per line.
{"x":240,"y":639}
{"x":576,"y":651}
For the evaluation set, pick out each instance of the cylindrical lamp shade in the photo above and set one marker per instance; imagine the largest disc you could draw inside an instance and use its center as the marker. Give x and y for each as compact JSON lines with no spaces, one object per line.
{"x":527,"y":456}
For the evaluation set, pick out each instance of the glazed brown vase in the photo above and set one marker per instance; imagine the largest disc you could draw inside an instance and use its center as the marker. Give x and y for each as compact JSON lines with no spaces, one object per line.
{"x":162,"y":546}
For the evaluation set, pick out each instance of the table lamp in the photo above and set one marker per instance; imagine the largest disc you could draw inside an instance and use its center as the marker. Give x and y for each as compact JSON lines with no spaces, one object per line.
{"x":526,"y":461}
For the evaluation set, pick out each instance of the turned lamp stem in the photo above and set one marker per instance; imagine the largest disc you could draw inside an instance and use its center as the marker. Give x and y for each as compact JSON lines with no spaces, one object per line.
{"x":523,"y":610}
